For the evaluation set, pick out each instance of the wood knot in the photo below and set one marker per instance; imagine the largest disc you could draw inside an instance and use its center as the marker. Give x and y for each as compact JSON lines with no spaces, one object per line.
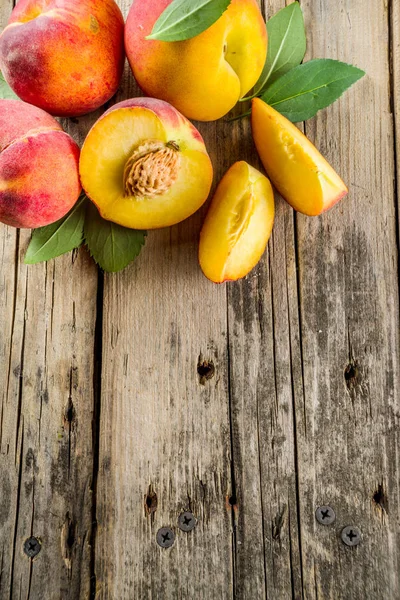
{"x":152,"y":169}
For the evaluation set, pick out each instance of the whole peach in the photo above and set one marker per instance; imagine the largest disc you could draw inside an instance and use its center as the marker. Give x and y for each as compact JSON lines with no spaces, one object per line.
{"x":64,"y":56}
{"x":39,"y":180}
{"x":205,"y":76}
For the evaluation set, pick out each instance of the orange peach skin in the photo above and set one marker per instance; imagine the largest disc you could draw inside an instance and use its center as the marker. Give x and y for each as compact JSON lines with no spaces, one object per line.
{"x":297,"y":169}
{"x":39,"y":180}
{"x":205,"y":76}
{"x":115,"y":136}
{"x":238,"y":224}
{"x":64,"y":56}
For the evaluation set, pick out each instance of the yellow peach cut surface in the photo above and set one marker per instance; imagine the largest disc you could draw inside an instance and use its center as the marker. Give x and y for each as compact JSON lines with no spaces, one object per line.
{"x":145,"y":166}
{"x":296,"y":168}
{"x":238,"y":224}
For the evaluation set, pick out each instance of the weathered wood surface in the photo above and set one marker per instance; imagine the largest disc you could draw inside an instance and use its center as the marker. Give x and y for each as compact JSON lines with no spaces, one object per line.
{"x":107,"y":432}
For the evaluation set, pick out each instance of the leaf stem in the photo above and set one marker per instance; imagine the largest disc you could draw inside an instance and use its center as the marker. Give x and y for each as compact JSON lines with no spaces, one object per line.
{"x":246,"y":114}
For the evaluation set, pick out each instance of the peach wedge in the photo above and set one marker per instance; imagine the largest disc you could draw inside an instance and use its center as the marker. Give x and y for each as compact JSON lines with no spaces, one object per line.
{"x":238,"y":224}
{"x":145,"y":166}
{"x":297,"y":169}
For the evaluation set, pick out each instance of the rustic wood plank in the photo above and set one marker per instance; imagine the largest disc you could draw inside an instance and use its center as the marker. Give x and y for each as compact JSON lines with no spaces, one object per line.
{"x":265,"y":375}
{"x":47,"y":316}
{"x":394,"y":13}
{"x":348,"y":428}
{"x":163,"y":431}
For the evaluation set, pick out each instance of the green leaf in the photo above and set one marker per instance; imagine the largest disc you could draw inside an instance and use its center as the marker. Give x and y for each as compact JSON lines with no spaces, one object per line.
{"x":184,"y":19}
{"x":59,"y":237}
{"x":6,"y":92}
{"x":303,"y":91}
{"x":113,"y":247}
{"x":286,"y":45}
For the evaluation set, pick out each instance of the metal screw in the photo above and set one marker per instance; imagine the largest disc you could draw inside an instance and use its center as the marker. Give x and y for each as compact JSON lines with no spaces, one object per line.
{"x":351,"y":535}
{"x":187,"y":521}
{"x":32,"y":547}
{"x":325,"y":515}
{"x":165,"y":537}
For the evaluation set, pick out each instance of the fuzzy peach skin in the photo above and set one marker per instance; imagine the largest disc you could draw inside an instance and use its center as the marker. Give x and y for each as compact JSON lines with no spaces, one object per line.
{"x":145,"y":166}
{"x":297,"y":169}
{"x":238,"y":224}
{"x":64,"y":56}
{"x":205,"y":76}
{"x":39,"y":180}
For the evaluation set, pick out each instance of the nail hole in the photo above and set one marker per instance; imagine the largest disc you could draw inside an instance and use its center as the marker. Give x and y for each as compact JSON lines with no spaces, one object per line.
{"x":351,"y":372}
{"x":380,"y":499}
{"x":233,"y":500}
{"x":71,"y":535}
{"x":69,"y":411}
{"x":151,"y":501}
{"x":205,"y":370}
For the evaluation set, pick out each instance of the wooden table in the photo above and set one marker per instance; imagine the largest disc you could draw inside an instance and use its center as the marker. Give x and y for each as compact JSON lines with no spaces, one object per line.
{"x":108,"y":432}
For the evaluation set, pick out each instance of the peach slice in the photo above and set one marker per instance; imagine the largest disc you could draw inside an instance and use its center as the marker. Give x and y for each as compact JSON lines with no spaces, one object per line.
{"x":145,"y":166}
{"x":238,"y":224}
{"x":297,"y":169}
{"x":39,"y":179}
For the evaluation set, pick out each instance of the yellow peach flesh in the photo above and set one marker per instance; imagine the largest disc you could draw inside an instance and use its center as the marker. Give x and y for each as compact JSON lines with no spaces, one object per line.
{"x":238,"y":224}
{"x":296,"y":168}
{"x":107,"y":150}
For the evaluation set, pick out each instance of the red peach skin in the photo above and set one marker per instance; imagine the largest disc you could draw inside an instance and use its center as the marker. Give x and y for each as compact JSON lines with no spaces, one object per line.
{"x":64,"y":56}
{"x":39,"y":180}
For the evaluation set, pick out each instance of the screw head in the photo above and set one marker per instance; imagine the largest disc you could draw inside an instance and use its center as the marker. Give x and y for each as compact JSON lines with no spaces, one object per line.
{"x":325,"y":515}
{"x":187,"y":521}
{"x":32,"y":547}
{"x":351,"y":535}
{"x":165,"y":537}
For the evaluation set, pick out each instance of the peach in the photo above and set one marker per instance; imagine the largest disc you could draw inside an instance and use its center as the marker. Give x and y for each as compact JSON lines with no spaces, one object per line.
{"x":64,"y":56}
{"x":238,"y":224}
{"x":298,"y":171}
{"x":39,"y":179}
{"x":145,"y":165}
{"x":205,"y":76}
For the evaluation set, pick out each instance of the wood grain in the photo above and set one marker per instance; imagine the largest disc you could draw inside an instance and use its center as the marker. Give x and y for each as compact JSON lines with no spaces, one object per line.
{"x":162,"y":429}
{"x":348,"y":428}
{"x":47,"y":316}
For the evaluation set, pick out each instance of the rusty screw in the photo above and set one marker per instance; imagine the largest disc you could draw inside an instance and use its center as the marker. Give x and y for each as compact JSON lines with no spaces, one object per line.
{"x":351,"y":535}
{"x":32,"y":547}
{"x":325,"y":515}
{"x":165,"y":537}
{"x":187,"y":521}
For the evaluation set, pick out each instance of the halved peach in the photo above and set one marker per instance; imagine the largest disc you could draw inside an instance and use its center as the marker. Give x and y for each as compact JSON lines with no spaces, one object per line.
{"x":238,"y":224}
{"x":145,"y":166}
{"x":297,"y":169}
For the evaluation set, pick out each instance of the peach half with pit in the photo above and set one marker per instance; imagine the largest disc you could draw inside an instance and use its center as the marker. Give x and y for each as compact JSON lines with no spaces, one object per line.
{"x":238,"y":224}
{"x":39,"y":178}
{"x":145,"y":166}
{"x":64,"y":56}
{"x":296,"y":168}
{"x":205,"y":76}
